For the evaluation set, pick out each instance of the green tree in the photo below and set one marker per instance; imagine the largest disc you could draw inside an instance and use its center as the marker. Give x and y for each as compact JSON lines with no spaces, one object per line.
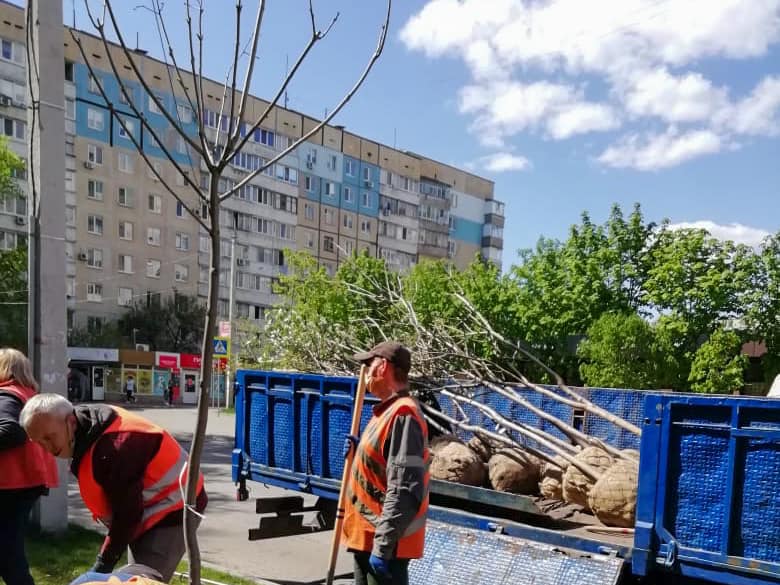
{"x":620,"y":351}
{"x":719,"y":365}
{"x":13,"y":298}
{"x":763,"y":316}
{"x":174,"y":323}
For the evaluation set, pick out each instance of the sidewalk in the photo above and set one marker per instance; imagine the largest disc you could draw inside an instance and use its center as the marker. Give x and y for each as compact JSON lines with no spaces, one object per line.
{"x":292,"y":560}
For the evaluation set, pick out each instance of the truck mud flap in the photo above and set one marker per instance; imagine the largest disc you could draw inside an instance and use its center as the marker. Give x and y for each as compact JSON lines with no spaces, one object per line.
{"x":460,"y":555}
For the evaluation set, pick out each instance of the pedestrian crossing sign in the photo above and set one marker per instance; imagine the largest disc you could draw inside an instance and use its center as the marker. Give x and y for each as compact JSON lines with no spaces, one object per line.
{"x":221,"y":347}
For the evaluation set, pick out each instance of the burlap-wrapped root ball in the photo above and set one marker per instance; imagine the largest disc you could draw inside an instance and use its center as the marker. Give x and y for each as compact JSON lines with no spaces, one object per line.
{"x":514,"y":470}
{"x":575,"y":484}
{"x":551,"y":482}
{"x":613,"y":498}
{"x":452,"y":460}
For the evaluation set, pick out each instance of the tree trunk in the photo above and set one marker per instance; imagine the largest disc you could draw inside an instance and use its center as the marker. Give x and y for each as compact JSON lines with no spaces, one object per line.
{"x":207,"y":353}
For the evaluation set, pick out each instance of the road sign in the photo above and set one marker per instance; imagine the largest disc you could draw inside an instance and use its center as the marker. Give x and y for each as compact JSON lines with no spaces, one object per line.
{"x":224,"y":328}
{"x":221,"y":347}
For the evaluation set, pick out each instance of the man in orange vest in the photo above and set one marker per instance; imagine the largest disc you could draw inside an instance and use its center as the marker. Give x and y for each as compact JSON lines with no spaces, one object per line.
{"x":387,"y":493}
{"x":26,"y":470}
{"x":130,"y":475}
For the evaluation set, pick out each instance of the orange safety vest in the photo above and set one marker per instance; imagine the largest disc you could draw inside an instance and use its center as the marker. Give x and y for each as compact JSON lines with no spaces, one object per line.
{"x":162,"y":493}
{"x":368,"y":484}
{"x":27,"y":465}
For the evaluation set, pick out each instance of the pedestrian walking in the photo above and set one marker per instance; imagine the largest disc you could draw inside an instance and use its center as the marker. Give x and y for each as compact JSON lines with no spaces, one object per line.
{"x":387,"y":495}
{"x":128,"y":470}
{"x":27,"y":471}
{"x":130,"y":389}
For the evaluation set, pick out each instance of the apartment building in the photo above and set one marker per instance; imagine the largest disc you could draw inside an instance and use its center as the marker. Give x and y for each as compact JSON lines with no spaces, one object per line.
{"x":130,"y":240}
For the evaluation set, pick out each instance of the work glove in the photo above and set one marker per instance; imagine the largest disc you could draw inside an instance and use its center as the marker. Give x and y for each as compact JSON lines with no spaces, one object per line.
{"x":102,"y":565}
{"x":380,"y":566}
{"x":350,"y":442}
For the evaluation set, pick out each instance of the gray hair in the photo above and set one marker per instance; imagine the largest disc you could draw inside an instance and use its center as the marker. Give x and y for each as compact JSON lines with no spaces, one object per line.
{"x":51,"y":404}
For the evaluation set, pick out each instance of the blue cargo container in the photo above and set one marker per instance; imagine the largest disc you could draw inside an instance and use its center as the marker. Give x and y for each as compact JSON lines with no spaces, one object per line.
{"x":708,"y":508}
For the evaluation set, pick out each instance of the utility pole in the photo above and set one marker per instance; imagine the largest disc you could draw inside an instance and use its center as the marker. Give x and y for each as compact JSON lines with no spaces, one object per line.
{"x":228,"y":369}
{"x":47,"y":314}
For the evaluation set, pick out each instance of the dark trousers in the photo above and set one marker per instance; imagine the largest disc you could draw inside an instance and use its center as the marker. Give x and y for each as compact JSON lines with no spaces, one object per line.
{"x":14,"y":515}
{"x":399,"y":569}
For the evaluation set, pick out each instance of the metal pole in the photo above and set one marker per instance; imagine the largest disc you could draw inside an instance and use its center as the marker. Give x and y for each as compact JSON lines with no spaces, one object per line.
{"x":228,"y":371}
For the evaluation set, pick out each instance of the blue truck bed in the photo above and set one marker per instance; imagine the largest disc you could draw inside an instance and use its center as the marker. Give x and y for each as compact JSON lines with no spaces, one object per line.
{"x":708,"y":508}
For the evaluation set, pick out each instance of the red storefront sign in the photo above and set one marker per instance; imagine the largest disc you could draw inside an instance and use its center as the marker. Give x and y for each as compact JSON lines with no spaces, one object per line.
{"x":190,"y":361}
{"x":167,"y":360}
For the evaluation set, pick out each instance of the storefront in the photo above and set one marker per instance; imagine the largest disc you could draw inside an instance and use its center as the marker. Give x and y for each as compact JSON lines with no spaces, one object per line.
{"x":137,"y":366}
{"x":89,"y":372}
{"x":190,"y":377}
{"x":166,"y":368}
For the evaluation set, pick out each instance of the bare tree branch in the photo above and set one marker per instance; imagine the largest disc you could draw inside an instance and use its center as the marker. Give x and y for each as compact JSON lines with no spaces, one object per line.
{"x":197,"y":80}
{"x":237,"y":46}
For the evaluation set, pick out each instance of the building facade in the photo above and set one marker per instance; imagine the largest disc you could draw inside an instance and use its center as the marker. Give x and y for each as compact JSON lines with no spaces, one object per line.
{"x":128,"y":240}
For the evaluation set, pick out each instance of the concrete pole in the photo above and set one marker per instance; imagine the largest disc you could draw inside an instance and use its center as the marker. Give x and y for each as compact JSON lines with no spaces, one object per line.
{"x":46,"y":184}
{"x":228,"y":369}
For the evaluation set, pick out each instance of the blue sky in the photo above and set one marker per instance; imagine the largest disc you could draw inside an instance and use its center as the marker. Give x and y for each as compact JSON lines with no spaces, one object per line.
{"x":567,"y":105}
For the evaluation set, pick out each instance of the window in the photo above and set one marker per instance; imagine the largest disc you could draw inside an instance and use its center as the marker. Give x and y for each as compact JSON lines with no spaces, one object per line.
{"x":308,"y":211}
{"x":153,"y":105}
{"x":180,"y":211}
{"x":155,"y":171}
{"x":125,"y":162}
{"x":332,"y":162}
{"x":349,"y":167}
{"x":95,"y":258}
{"x":181,"y":145}
{"x":184,"y":113}
{"x":95,"y":154}
{"x":328,"y":216}
{"x":349,"y":247}
{"x":180,"y":179}
{"x":327,"y":244}
{"x":126,"y":133}
{"x":287,"y":174}
{"x":205,"y":244}
{"x":70,"y":216}
{"x":286,"y":231}
{"x":69,"y":75}
{"x":307,"y":183}
{"x":125,"y":264}
{"x":95,"y":224}
{"x":94,"y":324}
{"x":95,"y":119}
{"x":182,"y":241}
{"x":125,"y":297}
{"x":365,"y":199}
{"x":348,"y":194}
{"x":125,"y":230}
{"x":125,"y":197}
{"x":181,"y":272}
{"x":210,"y":118}
{"x":348,"y":221}
{"x":153,"y":236}
{"x":153,"y":268}
{"x":154,"y":203}
{"x":203,"y":274}
{"x":365,"y":226}
{"x":93,"y":85}
{"x":70,"y":180}
{"x":330,"y":189}
{"x":70,"y":109}
{"x":264,"y":137}
{"x":95,"y":189}
{"x":366,"y":174}
{"x":125,"y":99}
{"x":14,"y":128}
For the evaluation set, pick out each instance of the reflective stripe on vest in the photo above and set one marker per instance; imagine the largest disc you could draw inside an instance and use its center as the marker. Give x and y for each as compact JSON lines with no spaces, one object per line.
{"x":27,"y":465}
{"x":367,"y":484}
{"x":161,"y":490}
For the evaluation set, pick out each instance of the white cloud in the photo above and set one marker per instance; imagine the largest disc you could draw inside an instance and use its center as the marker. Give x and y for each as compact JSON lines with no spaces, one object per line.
{"x":659,"y":151}
{"x":644,"y":51}
{"x":736,"y":232}
{"x":501,"y":162}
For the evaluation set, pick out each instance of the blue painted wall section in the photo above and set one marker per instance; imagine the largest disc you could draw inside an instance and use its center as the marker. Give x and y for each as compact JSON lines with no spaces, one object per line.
{"x":467,"y":230}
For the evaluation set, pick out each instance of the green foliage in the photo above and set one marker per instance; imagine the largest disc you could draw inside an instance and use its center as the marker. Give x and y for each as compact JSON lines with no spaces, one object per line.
{"x":620,"y":351}
{"x":13,"y":298}
{"x":718,"y":366}
{"x":11,"y":165}
{"x":173,"y":324}
{"x":763,"y":316}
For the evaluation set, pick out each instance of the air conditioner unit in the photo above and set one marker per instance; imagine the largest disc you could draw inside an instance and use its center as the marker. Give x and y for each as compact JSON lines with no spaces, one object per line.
{"x":141,"y":347}
{"x":83,"y":256}
{"x":242,"y":261}
{"x":309,"y":164}
{"x":88,"y":164}
{"x":6,"y":100}
{"x":368,"y":184}
{"x":20,"y":220}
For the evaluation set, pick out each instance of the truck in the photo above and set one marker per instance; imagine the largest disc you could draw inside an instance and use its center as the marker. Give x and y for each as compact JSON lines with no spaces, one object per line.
{"x":708,"y":503}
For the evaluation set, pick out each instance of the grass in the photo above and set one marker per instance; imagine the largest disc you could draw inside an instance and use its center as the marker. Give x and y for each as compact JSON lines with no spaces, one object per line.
{"x":59,"y":560}
{"x":230,"y":410}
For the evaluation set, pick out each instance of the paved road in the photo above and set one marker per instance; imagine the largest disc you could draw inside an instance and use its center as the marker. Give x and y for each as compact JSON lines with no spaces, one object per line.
{"x":292,"y":560}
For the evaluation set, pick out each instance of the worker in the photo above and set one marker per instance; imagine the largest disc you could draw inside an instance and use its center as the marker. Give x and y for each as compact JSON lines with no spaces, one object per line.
{"x":26,"y":470}
{"x":387,"y":492}
{"x":130,"y":474}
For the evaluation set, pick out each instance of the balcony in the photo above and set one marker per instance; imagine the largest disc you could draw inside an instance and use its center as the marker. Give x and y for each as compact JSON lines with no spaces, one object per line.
{"x":492,"y":242}
{"x":494,"y":220}
{"x":493,"y":207}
